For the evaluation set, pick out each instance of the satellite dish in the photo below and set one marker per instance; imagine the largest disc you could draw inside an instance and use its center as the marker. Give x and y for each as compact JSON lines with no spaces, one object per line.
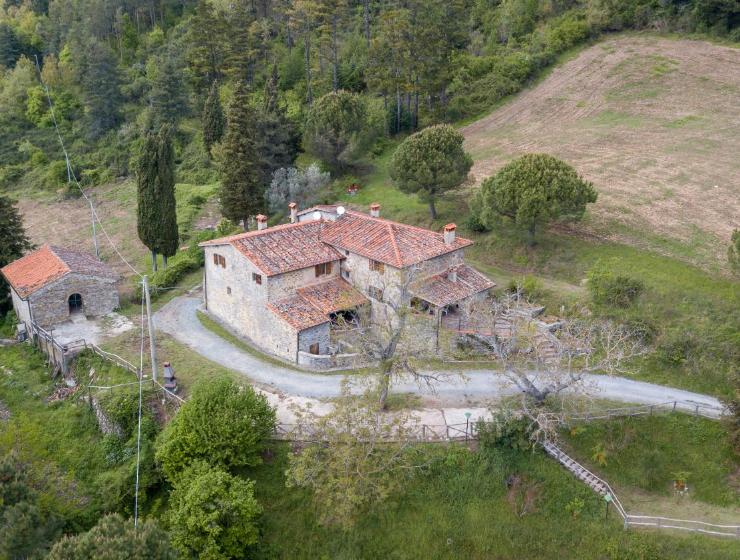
{"x":317,"y":215}
{"x":340,"y":210}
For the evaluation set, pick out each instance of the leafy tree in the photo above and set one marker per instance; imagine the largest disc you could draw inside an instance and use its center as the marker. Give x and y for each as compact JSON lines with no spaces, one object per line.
{"x":534,"y":190}
{"x":333,"y":16}
{"x":334,"y":126}
{"x":10,"y":46}
{"x":353,"y":471}
{"x":304,"y":18}
{"x":115,"y":538}
{"x":242,"y":192}
{"x":212,"y":118}
{"x":212,"y":514}
{"x":156,"y":209}
{"x":430,"y":163}
{"x":296,"y":185}
{"x":733,"y":251}
{"x":221,"y":423}
{"x":13,"y":244}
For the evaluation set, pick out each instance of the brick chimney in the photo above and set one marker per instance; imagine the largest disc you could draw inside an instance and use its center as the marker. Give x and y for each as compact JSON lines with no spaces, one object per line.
{"x":293,"y":212}
{"x":449,"y":234}
{"x":375,"y":210}
{"x":261,"y":221}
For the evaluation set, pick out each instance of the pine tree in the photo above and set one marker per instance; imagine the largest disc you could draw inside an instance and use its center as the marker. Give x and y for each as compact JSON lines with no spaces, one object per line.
{"x":242,"y":191}
{"x":206,"y":40}
{"x":279,"y":141}
{"x":167,"y":95}
{"x":242,"y":43}
{"x":212,"y":118}
{"x":13,"y":243}
{"x":101,"y":88}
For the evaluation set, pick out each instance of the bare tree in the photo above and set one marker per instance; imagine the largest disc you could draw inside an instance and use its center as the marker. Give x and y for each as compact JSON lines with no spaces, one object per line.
{"x":548,"y":366}
{"x":393,"y":334}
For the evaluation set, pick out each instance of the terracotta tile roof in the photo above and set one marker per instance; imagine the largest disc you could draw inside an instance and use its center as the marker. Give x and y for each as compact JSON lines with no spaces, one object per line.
{"x":440,"y":290}
{"x":282,"y":248}
{"x":311,"y":305}
{"x":332,"y":296}
{"x":49,"y":263}
{"x":298,"y":312}
{"x":393,"y":243}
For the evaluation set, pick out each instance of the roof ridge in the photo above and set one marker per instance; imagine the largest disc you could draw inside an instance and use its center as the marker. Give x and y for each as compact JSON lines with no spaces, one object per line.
{"x":395,"y":245}
{"x":258,"y":232}
{"x":393,"y":222}
{"x":56,"y":255}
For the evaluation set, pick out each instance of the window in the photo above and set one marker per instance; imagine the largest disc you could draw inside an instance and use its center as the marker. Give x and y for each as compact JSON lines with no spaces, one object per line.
{"x":256,"y":278}
{"x":314,"y":348}
{"x":219,"y":260}
{"x":323,"y":268}
{"x":375,"y":293}
{"x":228,"y":290}
{"x":346,"y":252}
{"x":345,"y":274}
{"x":377,"y":266}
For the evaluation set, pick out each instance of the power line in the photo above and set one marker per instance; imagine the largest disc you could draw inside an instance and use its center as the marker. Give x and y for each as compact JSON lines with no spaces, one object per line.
{"x":72,"y":178}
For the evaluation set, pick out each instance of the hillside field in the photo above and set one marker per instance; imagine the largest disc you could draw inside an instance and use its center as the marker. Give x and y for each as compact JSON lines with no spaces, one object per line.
{"x":653,"y":123}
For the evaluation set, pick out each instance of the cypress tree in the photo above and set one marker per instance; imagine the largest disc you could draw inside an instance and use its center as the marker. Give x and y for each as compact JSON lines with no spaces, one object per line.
{"x":242,"y":190}
{"x":146,"y":180}
{"x":212,"y":119}
{"x":167,"y":234}
{"x":13,"y":243}
{"x":156,"y":212}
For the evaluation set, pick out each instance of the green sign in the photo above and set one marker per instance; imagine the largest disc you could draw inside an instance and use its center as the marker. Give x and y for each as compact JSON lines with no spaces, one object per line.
{"x":607,"y":498}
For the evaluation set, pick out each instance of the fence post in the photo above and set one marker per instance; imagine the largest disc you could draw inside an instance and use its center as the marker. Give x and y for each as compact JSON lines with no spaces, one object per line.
{"x":424,"y":432}
{"x":697,"y":410}
{"x":674,"y":406}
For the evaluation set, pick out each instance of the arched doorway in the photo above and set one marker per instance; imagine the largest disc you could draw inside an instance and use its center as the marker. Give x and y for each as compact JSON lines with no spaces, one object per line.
{"x":75,"y":303}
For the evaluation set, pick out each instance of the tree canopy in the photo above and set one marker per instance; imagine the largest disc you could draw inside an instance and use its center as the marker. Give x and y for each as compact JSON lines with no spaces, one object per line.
{"x":213,"y":120}
{"x":430,"y":163}
{"x":534,"y":190}
{"x":221,"y":423}
{"x":334,"y":125}
{"x":13,"y":244}
{"x":115,"y":538}
{"x":212,"y":514}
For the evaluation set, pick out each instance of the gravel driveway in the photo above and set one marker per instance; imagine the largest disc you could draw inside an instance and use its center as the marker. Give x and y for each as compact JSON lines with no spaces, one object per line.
{"x":178,"y":318}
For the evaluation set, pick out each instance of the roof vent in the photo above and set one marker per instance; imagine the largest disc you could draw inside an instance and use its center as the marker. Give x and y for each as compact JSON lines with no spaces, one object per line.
{"x":375,"y":210}
{"x":340,"y":210}
{"x":261,"y":221}
{"x":449,"y":234}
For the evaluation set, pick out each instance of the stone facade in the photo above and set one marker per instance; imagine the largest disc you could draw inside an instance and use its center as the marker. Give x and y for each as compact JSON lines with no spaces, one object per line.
{"x":50,"y":304}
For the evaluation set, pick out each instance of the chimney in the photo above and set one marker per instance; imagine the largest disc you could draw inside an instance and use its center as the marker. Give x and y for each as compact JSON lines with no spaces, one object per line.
{"x":375,"y":210}
{"x":449,"y":234}
{"x":293,"y":212}
{"x":452,"y":275}
{"x":261,"y":221}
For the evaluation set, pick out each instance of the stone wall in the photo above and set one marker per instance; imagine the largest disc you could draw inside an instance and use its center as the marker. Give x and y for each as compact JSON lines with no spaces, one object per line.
{"x":284,"y":285}
{"x":320,"y":334}
{"x":329,"y":362}
{"x":234,"y":298}
{"x":21,"y":308}
{"x":50,"y":305}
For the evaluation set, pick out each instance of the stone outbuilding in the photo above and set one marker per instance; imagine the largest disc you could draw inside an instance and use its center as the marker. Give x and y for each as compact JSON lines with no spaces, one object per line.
{"x":50,"y":285}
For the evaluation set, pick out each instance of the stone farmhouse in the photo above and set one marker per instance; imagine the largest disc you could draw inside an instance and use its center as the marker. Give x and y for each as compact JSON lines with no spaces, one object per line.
{"x":283,"y":287}
{"x":52,"y":283}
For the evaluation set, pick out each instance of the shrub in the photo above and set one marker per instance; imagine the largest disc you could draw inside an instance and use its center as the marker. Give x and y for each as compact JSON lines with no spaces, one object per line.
{"x":616,"y":290}
{"x":506,"y":430}
{"x":221,"y":423}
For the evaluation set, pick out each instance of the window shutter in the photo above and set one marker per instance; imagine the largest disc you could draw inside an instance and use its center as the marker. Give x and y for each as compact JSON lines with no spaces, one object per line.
{"x":328,"y":268}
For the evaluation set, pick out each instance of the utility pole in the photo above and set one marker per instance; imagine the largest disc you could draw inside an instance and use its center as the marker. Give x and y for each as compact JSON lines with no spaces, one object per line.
{"x":152,"y":347}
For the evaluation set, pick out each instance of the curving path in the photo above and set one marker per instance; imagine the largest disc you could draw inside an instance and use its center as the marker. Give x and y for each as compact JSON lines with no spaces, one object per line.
{"x":178,"y":318}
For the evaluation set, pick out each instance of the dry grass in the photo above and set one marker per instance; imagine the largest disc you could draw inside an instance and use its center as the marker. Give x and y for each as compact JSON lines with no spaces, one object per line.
{"x":653,"y":122}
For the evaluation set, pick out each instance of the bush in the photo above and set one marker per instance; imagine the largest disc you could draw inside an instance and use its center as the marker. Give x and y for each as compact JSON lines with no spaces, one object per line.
{"x":506,"y":430}
{"x":527,"y":286}
{"x":222,"y":423}
{"x":615,"y":290}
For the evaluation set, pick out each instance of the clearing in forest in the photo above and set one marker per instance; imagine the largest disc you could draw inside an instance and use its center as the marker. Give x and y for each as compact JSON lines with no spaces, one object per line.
{"x":654,"y":123}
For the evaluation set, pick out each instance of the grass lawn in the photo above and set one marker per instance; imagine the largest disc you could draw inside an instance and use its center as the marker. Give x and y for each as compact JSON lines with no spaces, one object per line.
{"x":459,"y":508}
{"x":648,"y":452}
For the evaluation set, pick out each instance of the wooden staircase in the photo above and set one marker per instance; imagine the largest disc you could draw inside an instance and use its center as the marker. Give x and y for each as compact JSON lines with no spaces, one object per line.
{"x":578,"y":470}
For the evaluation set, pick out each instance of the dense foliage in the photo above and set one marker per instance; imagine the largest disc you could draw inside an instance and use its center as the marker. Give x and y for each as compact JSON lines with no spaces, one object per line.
{"x":534,"y":190}
{"x":430,"y":163}
{"x":221,"y":423}
{"x":212,"y":514}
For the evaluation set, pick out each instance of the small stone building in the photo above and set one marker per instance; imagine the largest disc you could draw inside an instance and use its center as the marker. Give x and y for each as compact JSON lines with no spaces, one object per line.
{"x":51,"y":284}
